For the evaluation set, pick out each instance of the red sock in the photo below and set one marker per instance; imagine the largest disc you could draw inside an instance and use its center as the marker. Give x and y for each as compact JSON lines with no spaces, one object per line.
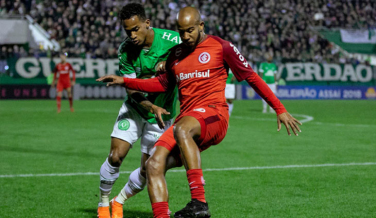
{"x":160,"y":210}
{"x":70,"y":102}
{"x":196,"y":184}
{"x":58,"y":99}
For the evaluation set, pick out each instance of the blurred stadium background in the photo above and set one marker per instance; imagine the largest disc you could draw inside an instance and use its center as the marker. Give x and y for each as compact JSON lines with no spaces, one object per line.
{"x":325,"y":51}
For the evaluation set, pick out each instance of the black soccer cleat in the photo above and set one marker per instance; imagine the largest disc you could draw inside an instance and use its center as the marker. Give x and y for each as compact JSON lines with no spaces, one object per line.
{"x":194,"y":209}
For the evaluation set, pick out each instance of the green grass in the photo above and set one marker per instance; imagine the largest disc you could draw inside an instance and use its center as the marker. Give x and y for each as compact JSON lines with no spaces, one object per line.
{"x":36,"y":140}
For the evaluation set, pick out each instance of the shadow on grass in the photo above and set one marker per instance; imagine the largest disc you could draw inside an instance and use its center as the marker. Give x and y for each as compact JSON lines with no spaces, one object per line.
{"x":127,"y":214}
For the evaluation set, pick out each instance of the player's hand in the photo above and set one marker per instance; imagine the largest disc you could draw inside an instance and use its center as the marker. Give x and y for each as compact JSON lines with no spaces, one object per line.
{"x":111,"y":80}
{"x":160,"y":67}
{"x":290,"y":122}
{"x":158,"y":112}
{"x":73,"y":83}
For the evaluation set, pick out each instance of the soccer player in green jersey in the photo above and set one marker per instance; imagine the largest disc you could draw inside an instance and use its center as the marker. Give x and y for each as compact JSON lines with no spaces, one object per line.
{"x":230,"y":91}
{"x":141,"y":55}
{"x":268,"y":72}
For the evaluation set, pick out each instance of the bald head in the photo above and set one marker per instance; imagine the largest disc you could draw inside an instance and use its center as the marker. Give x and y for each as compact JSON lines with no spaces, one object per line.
{"x":190,"y":26}
{"x":188,"y":16}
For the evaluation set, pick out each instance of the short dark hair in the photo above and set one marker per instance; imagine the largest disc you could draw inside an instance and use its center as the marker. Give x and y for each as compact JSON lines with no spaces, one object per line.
{"x":132,"y":9}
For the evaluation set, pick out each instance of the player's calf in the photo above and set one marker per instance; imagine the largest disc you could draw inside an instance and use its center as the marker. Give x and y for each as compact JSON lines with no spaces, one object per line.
{"x":135,"y":184}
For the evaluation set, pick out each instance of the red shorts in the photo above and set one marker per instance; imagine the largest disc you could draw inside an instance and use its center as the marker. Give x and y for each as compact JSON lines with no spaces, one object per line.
{"x":213,"y":121}
{"x":63,"y":84}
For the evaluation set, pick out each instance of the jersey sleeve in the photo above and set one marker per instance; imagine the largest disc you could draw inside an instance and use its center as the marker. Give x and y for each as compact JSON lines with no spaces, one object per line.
{"x":125,"y":67}
{"x":235,"y":60}
{"x":243,"y":71}
{"x":145,"y":85}
{"x":167,"y":79}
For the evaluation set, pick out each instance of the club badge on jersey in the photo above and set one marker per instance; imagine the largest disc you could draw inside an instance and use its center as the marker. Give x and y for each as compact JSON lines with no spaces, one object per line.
{"x":204,"y":58}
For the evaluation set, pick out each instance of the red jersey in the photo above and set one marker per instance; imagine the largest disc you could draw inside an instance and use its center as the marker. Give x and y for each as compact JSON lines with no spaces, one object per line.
{"x":63,"y":71}
{"x":201,"y":75}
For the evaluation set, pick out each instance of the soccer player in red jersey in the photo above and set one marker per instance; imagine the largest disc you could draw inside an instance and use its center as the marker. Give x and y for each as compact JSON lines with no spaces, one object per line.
{"x":199,"y":67}
{"x":63,"y":69}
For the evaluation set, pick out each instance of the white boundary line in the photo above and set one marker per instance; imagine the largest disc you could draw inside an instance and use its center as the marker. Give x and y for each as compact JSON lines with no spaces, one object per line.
{"x":306,"y":117}
{"x":205,"y":170}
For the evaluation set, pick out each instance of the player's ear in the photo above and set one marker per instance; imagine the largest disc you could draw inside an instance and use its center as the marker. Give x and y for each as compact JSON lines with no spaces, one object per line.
{"x":148,"y":23}
{"x":201,"y":26}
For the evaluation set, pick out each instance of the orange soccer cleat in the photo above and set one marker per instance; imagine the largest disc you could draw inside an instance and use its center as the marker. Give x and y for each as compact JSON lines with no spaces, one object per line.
{"x":71,"y":109}
{"x":103,"y":212}
{"x":116,"y":209}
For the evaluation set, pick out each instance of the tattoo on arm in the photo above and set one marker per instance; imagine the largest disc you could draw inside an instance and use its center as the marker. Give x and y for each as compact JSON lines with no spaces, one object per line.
{"x":140,"y":99}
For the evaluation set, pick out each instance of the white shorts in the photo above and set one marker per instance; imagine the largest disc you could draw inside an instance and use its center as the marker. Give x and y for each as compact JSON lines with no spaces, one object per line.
{"x":230,"y":91}
{"x":130,"y":126}
{"x":273,"y":87}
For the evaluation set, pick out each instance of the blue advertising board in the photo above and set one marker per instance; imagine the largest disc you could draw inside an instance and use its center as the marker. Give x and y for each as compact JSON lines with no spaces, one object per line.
{"x":315,"y":92}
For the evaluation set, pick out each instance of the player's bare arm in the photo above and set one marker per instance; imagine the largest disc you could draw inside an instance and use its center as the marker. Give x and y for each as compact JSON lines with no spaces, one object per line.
{"x":139,"y":97}
{"x":113,"y":80}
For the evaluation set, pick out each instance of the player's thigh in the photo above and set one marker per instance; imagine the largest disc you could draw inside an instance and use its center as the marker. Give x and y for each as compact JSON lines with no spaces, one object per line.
{"x":69,"y":90}
{"x":150,"y":134}
{"x":59,"y":89}
{"x":187,"y":126}
{"x":167,"y":143}
{"x":166,"y":140}
{"x":128,"y":125}
{"x":214,"y":124}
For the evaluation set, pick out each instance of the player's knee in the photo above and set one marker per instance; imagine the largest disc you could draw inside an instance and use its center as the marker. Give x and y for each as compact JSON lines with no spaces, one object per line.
{"x":115,"y":159}
{"x":181,"y":132}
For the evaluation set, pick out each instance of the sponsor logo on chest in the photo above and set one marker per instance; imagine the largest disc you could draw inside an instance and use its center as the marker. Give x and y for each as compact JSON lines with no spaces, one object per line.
{"x":64,"y":69}
{"x":203,"y":58}
{"x":196,"y":74}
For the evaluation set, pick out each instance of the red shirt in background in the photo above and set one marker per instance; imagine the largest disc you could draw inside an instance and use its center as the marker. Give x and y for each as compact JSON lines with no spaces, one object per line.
{"x":63,"y":71}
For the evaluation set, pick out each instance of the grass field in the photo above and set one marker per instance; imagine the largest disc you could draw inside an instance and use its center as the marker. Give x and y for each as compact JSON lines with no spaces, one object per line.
{"x":36,"y":141}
